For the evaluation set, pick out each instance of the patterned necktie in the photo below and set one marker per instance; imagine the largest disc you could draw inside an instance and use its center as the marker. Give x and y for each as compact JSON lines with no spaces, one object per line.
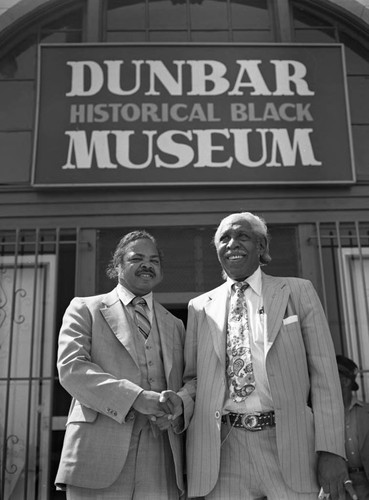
{"x":239,"y":364}
{"x":142,"y":320}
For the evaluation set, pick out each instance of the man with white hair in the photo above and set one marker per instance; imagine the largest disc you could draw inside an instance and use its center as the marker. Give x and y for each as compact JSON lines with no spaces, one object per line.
{"x":268,"y":420}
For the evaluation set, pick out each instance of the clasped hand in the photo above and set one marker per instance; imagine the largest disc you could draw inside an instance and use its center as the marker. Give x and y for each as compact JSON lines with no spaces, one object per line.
{"x":164,"y":408}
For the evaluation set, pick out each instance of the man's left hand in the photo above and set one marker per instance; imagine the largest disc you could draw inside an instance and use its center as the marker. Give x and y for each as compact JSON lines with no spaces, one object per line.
{"x":332,"y":474}
{"x":165,"y":422}
{"x":170,"y":400}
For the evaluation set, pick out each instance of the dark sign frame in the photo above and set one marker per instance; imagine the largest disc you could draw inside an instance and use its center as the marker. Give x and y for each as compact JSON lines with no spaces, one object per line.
{"x":137,"y":114}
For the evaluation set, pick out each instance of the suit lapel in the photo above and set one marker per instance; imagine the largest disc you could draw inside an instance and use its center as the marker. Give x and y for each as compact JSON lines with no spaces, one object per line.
{"x":275,"y":295}
{"x":216,"y":315}
{"x":114,"y":314}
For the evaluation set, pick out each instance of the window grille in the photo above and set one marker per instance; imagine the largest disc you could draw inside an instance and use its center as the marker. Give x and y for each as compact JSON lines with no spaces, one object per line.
{"x":30,"y":261}
{"x":343,"y":254}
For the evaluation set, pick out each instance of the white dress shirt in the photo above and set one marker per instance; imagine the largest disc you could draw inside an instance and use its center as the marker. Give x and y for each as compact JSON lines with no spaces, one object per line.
{"x":126,"y":297}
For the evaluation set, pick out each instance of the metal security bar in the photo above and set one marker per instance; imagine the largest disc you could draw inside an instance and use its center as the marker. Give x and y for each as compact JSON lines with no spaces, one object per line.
{"x":343,"y":254}
{"x":30,"y":263}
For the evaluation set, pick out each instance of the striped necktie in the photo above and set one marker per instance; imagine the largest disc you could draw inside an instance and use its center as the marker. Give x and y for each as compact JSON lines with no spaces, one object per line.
{"x":142,"y":320}
{"x":239,"y":363}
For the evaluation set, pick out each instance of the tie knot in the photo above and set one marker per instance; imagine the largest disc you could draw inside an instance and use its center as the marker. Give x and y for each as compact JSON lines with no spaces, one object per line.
{"x":240,"y":286}
{"x":139,"y":300}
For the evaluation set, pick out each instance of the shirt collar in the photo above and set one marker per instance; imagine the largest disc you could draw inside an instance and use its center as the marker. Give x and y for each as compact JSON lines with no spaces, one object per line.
{"x":126,"y":296}
{"x":254,"y":281}
{"x":355,"y":402}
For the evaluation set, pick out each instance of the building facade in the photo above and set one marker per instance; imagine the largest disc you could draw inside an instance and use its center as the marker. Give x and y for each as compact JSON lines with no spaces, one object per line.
{"x":168,"y":115}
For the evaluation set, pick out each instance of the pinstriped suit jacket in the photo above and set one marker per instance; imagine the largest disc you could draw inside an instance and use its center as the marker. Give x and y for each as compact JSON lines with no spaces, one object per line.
{"x":300,"y":364}
{"x":98,"y":366}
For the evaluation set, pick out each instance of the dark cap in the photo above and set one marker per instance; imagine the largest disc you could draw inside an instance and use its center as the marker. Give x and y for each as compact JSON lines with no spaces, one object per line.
{"x":349,"y":369}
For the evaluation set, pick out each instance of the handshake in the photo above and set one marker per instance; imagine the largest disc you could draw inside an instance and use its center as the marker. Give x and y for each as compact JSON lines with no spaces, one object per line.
{"x":164,"y":407}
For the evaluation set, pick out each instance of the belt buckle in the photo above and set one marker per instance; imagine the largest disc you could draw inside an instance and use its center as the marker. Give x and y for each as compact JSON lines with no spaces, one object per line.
{"x":250,"y":422}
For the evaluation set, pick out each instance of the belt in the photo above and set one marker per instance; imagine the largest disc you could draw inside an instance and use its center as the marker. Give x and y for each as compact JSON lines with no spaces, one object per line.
{"x":250,"y":421}
{"x":355,"y":469}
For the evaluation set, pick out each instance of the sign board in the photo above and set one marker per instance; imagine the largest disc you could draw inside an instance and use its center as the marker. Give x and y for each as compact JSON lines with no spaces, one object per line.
{"x":159,"y":114}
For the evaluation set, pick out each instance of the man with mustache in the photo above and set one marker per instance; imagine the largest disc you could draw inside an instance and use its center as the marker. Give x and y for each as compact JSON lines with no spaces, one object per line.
{"x":268,"y":420}
{"x":121,"y":358}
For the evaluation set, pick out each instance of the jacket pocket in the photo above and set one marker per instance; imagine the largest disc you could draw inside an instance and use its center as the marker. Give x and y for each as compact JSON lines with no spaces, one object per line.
{"x":80,"y":413}
{"x":291,"y":319}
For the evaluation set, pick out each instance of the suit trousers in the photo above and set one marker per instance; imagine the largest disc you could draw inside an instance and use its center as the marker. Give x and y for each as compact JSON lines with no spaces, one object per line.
{"x":148,"y":473}
{"x":249,"y":468}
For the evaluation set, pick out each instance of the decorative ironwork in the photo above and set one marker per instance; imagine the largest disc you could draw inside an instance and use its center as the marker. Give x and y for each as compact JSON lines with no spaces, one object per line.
{"x":28,"y":265}
{"x":22,"y":293}
{"x":14,"y":440}
{"x":3,"y":299}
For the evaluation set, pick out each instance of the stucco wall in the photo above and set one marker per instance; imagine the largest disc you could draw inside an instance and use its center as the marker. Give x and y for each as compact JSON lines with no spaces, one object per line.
{"x":359,"y":8}
{"x":11,"y":10}
{"x":7,"y":4}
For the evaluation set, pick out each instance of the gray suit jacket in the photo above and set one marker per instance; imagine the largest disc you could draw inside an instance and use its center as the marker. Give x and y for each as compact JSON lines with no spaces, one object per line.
{"x":97,"y":365}
{"x":301,"y":367}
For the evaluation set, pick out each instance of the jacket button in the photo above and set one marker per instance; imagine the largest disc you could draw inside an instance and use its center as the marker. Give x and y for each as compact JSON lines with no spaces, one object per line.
{"x":217,"y":414}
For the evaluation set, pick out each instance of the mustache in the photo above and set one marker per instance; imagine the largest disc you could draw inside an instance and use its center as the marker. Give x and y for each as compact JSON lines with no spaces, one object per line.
{"x":146,"y":270}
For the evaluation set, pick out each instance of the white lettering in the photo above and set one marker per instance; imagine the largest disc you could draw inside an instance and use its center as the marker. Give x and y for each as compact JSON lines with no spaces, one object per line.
{"x":242,"y":149}
{"x":174,"y":149}
{"x":204,"y":77}
{"x":288,"y":152}
{"x":201,"y":78}
{"x":270,"y":111}
{"x":206,"y":148}
{"x":284,"y":79}
{"x":256,"y":80}
{"x":123,"y":148}
{"x":83,"y":153}
{"x":167,"y":145}
{"x":79,"y":69}
{"x":114,"y":79}
{"x":159,"y":71}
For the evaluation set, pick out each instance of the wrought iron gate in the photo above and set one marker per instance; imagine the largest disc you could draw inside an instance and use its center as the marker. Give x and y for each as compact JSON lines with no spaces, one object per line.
{"x":343,"y":254}
{"x":30,"y":264}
